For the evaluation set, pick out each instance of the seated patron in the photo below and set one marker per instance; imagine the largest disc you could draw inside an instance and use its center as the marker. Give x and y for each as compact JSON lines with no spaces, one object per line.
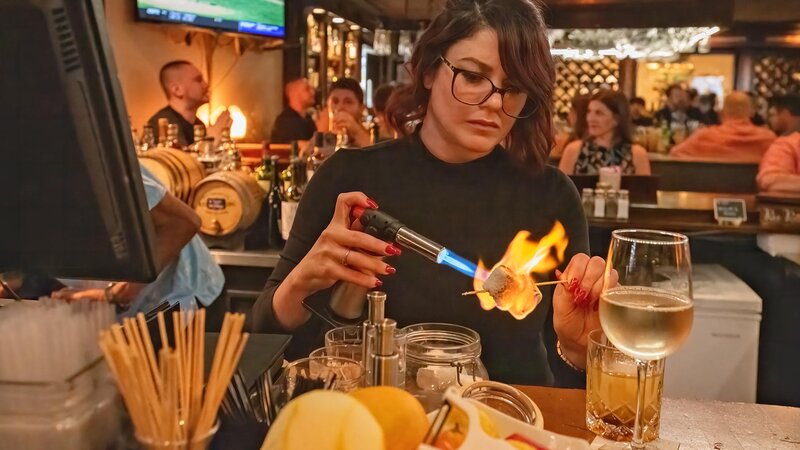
{"x":735,"y":140}
{"x":678,"y":108}
{"x":294,"y":123}
{"x":784,"y":114}
{"x":708,"y":105}
{"x":344,"y":109}
{"x":608,"y":141}
{"x":639,"y":115}
{"x":780,"y":167}
{"x":186,"y":91}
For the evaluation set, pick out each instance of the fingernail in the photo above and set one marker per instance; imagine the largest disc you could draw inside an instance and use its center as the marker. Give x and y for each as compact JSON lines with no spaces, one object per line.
{"x":573,"y":284}
{"x":580,"y":298}
{"x":392,"y":250}
{"x":390,"y":270}
{"x":372,"y":203}
{"x":558,"y":273}
{"x":378,"y":283}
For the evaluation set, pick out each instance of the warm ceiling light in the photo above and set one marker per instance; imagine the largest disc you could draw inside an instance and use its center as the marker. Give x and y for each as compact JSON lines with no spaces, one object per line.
{"x":634,"y":43}
{"x":337,"y":20}
{"x":318,"y":11}
{"x":355,"y":27}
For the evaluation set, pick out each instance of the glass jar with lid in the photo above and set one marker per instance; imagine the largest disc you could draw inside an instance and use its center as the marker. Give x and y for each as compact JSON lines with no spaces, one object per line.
{"x":440,"y":355}
{"x":587,"y":198}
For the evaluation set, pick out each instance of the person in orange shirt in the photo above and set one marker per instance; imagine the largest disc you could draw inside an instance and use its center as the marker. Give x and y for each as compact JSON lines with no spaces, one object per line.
{"x":735,"y":140}
{"x":780,"y":168}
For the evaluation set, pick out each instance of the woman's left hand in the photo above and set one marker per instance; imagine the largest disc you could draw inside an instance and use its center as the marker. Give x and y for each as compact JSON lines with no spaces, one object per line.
{"x":575,"y":304}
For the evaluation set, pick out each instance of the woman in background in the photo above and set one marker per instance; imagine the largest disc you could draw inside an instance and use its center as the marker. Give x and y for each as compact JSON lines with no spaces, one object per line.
{"x":608,"y":141}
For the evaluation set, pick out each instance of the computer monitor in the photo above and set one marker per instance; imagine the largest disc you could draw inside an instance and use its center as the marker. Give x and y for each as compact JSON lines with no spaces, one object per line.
{"x":72,"y":203}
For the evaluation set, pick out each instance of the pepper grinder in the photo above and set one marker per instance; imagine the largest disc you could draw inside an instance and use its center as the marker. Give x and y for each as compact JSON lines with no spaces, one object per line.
{"x":386,"y":361}
{"x":376,"y":304}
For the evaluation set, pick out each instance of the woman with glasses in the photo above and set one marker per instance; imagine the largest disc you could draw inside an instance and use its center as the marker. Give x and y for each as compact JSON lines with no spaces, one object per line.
{"x":608,"y":141}
{"x":471,"y":175}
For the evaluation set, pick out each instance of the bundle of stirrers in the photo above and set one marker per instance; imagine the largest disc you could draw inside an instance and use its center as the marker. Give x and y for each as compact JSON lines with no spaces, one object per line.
{"x":165,"y":397}
{"x":50,"y":340}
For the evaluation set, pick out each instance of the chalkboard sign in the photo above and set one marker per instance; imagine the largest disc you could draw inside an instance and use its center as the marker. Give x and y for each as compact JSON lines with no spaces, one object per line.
{"x":730,"y":210}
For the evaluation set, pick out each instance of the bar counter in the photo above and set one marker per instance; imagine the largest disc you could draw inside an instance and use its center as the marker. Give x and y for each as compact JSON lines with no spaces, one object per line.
{"x":694,"y":424}
{"x":694,"y":211}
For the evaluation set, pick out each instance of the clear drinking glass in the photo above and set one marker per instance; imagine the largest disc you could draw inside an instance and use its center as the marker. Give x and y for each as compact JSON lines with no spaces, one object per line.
{"x":611,"y":392}
{"x":646,"y":307}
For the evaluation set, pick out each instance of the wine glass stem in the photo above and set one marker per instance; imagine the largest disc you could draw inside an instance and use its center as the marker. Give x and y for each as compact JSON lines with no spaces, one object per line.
{"x":638,"y":428}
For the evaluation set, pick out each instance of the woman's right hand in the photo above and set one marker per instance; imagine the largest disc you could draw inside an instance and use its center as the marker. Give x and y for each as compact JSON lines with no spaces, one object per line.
{"x":343,"y":252}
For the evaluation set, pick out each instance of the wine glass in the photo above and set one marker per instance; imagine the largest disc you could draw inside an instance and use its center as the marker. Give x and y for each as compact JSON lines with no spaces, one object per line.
{"x":648,"y":313}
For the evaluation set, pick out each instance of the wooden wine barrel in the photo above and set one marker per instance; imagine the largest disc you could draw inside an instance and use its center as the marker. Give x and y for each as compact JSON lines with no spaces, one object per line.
{"x":227,"y":201}
{"x":178,"y":170}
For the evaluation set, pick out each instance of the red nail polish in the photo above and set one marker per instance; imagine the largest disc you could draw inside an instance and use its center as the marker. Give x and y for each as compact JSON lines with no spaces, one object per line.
{"x":392,"y":250}
{"x":573,"y":285}
{"x":378,"y":283}
{"x":580,"y":297}
{"x":390,"y":270}
{"x":372,"y":203}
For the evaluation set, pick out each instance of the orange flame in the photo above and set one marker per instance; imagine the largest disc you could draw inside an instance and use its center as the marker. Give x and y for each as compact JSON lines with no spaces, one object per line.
{"x":524,"y":257}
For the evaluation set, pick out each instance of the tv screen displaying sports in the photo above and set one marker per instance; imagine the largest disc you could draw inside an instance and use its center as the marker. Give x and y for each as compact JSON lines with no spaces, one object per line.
{"x":259,"y":17}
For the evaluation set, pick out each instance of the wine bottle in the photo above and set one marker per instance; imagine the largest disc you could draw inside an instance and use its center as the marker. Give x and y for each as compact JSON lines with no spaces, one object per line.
{"x":263,"y":173}
{"x":293,"y":193}
{"x":274,"y":200}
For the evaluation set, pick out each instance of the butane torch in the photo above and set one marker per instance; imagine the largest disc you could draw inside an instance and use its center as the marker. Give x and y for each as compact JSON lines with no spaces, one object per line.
{"x":347,"y":300}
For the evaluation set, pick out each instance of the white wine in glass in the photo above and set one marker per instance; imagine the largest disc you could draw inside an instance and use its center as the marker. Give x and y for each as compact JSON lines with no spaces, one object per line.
{"x":646,"y":323}
{"x":646,"y":304}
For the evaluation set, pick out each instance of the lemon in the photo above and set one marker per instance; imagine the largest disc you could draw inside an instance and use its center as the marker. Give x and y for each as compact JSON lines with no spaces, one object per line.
{"x":401,"y":416}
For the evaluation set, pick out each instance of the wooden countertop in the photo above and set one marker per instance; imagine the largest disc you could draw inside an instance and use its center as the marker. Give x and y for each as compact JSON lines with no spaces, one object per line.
{"x":695,"y":424}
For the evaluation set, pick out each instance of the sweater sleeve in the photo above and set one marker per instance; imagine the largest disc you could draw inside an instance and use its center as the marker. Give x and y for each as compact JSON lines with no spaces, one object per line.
{"x":569,"y":210}
{"x":313,"y":215}
{"x":780,"y":158}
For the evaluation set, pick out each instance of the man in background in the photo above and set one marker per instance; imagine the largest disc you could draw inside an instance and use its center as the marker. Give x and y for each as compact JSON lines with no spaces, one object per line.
{"x":344,"y":111}
{"x":784,"y":114}
{"x":780,"y":167}
{"x":639,"y":115}
{"x":678,"y":108}
{"x":295,"y":123}
{"x":186,"y":91}
{"x":735,"y":140}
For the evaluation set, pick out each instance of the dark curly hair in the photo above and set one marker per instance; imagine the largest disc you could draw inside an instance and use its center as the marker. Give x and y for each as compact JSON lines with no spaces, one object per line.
{"x":524,"y":55}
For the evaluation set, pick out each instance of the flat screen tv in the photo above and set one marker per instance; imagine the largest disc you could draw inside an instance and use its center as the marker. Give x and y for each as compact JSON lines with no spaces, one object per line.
{"x":258,"y":17}
{"x":72,"y":202}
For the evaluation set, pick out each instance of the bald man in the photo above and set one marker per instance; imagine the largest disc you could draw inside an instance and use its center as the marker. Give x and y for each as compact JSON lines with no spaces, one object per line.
{"x":186,"y":91}
{"x":735,"y":140}
{"x":294,"y":123}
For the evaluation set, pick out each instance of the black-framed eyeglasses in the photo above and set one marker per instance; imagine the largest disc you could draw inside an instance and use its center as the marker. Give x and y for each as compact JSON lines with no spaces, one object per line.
{"x":472,"y":88}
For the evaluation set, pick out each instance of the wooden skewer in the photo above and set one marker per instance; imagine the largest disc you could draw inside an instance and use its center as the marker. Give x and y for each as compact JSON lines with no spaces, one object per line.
{"x":482,"y":291}
{"x":543,"y":283}
{"x":164,"y":392}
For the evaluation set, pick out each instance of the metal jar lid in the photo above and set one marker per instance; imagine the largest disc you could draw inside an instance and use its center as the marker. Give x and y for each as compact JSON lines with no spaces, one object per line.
{"x":504,"y":398}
